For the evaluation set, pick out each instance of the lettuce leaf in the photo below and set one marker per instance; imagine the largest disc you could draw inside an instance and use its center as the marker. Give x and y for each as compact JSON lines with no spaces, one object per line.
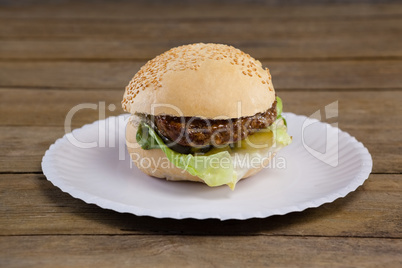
{"x":217,"y":167}
{"x":281,"y":135}
{"x":279,"y":108}
{"x":214,"y":170}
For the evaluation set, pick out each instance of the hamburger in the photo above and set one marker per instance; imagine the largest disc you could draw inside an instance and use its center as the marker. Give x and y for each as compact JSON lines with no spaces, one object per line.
{"x":205,"y":113}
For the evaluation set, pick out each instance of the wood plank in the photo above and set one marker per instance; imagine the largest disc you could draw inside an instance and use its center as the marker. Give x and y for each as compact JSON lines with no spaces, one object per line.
{"x":279,"y":48}
{"x":24,"y":147}
{"x":273,"y":10}
{"x":311,"y":75}
{"x":365,"y":115}
{"x":167,"y":30}
{"x":100,"y":39}
{"x":198,"y":251}
{"x":328,"y":49}
{"x":366,"y":110}
{"x":50,"y":107}
{"x":32,"y":205}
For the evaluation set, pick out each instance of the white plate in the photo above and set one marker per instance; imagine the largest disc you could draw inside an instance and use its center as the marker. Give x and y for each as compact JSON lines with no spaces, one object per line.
{"x":302,"y":175}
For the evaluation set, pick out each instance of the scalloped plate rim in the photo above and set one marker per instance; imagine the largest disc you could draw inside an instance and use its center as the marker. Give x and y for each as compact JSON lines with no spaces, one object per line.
{"x":49,"y":172}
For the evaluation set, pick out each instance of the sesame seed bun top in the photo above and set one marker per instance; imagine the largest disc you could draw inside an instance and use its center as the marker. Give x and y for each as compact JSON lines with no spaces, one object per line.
{"x":204,"y":80}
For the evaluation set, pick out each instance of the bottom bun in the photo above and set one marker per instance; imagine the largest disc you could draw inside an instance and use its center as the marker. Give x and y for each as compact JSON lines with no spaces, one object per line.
{"x":155,"y":163}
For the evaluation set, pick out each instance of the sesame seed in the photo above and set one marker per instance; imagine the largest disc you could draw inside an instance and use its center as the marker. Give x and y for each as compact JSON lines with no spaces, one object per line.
{"x":188,"y":57}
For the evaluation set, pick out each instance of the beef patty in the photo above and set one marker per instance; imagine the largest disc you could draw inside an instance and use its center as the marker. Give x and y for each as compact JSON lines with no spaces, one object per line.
{"x":199,"y":132}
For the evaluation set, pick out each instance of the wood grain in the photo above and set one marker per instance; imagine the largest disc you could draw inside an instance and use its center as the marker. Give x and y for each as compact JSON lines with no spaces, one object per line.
{"x":34,"y":206}
{"x":365,"y":110}
{"x":24,"y":147}
{"x":279,"y":49}
{"x":251,"y":30}
{"x":58,"y":39}
{"x":314,"y":75}
{"x":198,"y":251}
{"x":365,"y":115}
{"x":160,"y":10}
{"x":55,"y":55}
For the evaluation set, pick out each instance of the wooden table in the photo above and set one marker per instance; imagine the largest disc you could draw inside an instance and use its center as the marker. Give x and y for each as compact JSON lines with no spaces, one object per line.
{"x":55,"y":55}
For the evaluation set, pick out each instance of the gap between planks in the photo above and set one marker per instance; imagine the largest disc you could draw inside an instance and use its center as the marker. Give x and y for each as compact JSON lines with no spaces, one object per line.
{"x":376,"y":89}
{"x":196,"y":235}
{"x":141,"y":60}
